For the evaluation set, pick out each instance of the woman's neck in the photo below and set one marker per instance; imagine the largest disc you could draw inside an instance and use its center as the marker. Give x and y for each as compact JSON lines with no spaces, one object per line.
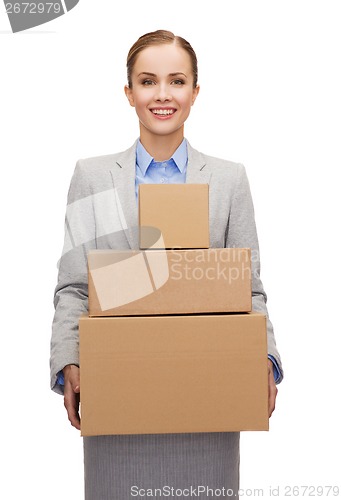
{"x":161,"y":147}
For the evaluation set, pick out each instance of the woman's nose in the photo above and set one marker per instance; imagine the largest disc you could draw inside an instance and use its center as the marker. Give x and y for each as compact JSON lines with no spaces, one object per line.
{"x":163,"y":93}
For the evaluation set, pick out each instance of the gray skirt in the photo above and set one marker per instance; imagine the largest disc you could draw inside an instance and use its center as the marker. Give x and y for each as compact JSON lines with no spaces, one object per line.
{"x":181,"y":466}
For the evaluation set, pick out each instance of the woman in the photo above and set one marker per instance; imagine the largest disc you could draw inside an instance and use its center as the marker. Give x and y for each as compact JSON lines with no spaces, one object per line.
{"x":162,"y":86}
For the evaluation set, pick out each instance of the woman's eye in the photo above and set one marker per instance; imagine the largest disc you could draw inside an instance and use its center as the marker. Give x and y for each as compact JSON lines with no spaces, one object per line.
{"x":178,"y":82}
{"x":147,"y":82}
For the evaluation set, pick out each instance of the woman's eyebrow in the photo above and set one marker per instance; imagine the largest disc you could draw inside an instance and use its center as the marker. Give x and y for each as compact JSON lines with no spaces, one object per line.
{"x":177,"y":73}
{"x":154,"y":75}
{"x":146,"y":73}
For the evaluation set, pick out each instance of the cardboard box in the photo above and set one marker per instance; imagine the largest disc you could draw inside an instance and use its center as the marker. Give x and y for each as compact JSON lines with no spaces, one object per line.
{"x":173,"y":374}
{"x":169,"y":281}
{"x":174,"y":216}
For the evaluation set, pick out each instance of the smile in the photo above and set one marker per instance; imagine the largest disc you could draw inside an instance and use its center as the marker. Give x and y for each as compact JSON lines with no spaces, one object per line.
{"x":163,"y":112}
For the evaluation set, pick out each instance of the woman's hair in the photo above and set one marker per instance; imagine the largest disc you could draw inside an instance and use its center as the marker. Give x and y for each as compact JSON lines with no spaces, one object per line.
{"x":160,"y":37}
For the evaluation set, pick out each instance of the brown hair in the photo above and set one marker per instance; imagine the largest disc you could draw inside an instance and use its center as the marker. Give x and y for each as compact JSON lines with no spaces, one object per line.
{"x":160,"y":37}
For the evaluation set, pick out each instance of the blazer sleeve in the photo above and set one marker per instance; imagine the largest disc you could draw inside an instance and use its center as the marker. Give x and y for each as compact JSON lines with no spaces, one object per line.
{"x":71,"y":292}
{"x":241,"y":232}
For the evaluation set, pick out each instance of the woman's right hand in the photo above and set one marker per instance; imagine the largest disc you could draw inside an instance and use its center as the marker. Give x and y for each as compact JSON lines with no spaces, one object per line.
{"x":72,"y":394}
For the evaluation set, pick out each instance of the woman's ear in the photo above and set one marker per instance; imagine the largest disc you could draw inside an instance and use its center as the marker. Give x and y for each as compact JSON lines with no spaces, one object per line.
{"x":129,"y":93}
{"x":195,"y":93}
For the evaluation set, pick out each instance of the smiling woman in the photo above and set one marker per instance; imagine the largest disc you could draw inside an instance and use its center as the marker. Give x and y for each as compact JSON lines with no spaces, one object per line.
{"x":162,"y":87}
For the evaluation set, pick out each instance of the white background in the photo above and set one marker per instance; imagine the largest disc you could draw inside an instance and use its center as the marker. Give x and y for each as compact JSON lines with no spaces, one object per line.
{"x":270,"y":98}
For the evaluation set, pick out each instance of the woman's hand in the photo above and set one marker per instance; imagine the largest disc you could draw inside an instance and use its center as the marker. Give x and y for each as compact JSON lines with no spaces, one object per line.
{"x":272,"y":387}
{"x":71,"y":394}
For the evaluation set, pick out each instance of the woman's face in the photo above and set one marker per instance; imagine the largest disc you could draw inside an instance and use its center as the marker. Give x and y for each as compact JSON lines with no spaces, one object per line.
{"x":162,"y":90}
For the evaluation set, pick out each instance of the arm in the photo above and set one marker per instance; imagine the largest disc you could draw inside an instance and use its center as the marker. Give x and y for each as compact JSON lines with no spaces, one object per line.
{"x":241,"y":232}
{"x":71,"y":292}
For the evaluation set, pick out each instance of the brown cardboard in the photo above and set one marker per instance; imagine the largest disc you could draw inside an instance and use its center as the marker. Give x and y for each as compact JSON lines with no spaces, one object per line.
{"x":173,"y":374}
{"x":169,"y":281}
{"x":179,"y":211}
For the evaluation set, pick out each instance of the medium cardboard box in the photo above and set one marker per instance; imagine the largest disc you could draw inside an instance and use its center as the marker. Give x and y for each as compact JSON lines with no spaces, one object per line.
{"x":173,"y":374}
{"x":179,"y":211}
{"x":169,"y":281}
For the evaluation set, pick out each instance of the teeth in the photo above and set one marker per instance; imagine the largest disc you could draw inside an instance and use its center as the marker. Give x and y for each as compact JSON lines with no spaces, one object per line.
{"x":163,"y":111}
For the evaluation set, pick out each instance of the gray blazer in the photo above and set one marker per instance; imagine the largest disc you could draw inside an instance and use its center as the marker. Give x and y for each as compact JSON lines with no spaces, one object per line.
{"x":102,"y":213}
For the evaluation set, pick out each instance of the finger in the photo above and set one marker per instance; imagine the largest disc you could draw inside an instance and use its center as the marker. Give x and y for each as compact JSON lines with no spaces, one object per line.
{"x":75,"y":383}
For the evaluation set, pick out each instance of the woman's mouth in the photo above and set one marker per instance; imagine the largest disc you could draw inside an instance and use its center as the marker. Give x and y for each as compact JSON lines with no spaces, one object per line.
{"x":163,"y":112}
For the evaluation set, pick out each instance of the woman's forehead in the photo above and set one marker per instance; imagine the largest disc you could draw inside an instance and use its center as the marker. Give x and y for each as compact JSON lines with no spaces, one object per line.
{"x":163,"y":59}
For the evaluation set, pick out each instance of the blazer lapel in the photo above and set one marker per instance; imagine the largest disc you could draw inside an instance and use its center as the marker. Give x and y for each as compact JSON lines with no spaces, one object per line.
{"x":123,"y":175}
{"x":196,"y":172}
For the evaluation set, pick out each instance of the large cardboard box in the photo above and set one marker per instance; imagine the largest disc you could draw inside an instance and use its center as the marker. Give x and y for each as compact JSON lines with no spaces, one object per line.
{"x":173,"y":374}
{"x":174,"y":216}
{"x":169,"y":281}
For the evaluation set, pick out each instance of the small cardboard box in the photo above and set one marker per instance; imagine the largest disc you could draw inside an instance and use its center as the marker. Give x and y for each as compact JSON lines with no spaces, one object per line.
{"x":169,"y":281}
{"x":173,"y":374}
{"x":180,"y":212}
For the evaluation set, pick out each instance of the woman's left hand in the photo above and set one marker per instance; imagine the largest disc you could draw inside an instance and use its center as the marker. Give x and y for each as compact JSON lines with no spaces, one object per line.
{"x":272,"y":387}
